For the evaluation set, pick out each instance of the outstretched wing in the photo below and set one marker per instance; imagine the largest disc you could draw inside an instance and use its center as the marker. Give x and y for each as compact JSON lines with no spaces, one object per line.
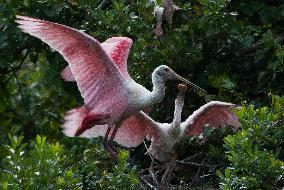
{"x":99,"y":80}
{"x":135,"y":129}
{"x":117,"y":48}
{"x":132,"y":132}
{"x":214,"y":113}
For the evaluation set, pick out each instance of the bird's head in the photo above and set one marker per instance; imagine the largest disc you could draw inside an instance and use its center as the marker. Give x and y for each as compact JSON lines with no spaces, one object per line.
{"x":164,"y":73}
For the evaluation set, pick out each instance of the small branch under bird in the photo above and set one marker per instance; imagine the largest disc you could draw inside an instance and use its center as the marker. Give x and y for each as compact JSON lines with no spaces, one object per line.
{"x":100,"y":71}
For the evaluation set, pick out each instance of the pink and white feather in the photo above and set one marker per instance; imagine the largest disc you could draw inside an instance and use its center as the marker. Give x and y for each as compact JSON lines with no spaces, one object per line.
{"x":214,"y":113}
{"x":100,"y":71}
{"x":131,"y":133}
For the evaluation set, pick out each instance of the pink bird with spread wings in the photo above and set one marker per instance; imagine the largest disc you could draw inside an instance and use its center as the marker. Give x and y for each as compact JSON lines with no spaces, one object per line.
{"x":164,"y":136}
{"x":100,"y":71}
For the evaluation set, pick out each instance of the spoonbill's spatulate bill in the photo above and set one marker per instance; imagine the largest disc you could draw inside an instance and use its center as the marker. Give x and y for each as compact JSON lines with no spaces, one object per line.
{"x":100,"y":71}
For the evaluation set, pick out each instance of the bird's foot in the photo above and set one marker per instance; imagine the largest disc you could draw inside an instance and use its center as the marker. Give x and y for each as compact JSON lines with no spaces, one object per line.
{"x":112,"y":151}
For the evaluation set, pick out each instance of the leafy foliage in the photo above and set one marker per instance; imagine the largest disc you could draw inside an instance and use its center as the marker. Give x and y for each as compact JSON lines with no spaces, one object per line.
{"x":49,"y":166}
{"x":37,"y":168}
{"x":256,"y":153}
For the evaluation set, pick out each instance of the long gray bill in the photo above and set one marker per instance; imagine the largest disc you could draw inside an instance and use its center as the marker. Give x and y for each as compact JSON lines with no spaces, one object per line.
{"x":202,"y":91}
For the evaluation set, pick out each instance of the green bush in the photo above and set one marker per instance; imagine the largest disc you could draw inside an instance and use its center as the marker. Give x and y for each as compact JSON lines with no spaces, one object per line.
{"x":40,"y":164}
{"x":37,"y":168}
{"x":256,"y":152}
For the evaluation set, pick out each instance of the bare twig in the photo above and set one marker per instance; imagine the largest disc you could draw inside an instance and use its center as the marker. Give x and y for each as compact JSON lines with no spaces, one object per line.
{"x":206,"y":175}
{"x":152,"y":173}
{"x":165,"y":177}
{"x":145,"y":182}
{"x":14,"y":69}
{"x":21,"y":63}
{"x":192,"y":157}
{"x":198,"y":171}
{"x":196,"y":164}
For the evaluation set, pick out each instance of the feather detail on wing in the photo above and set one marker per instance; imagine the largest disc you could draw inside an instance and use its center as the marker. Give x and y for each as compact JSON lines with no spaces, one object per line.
{"x":117,"y":48}
{"x":73,"y":120}
{"x":214,"y":113}
{"x":99,"y":80}
{"x":135,"y":129}
{"x":131,"y":133}
{"x":67,"y":75}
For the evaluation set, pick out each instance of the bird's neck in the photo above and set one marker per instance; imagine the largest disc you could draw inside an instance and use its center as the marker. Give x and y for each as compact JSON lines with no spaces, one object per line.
{"x":158,"y":91}
{"x":175,"y":126}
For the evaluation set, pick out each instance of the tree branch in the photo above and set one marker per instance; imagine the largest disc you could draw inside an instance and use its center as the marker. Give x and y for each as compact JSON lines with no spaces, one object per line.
{"x":14,"y":69}
{"x":21,"y":63}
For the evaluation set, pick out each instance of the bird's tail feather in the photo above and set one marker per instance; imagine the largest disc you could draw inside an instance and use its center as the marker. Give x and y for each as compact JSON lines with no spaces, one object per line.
{"x":73,"y":120}
{"x":67,"y":75}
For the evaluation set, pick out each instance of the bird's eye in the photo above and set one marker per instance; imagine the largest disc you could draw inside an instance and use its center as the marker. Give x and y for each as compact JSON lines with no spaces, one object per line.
{"x":160,"y":73}
{"x":166,"y":69}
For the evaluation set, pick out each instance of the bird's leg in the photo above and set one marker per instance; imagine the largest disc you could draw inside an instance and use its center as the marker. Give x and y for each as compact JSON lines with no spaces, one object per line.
{"x":151,"y":170}
{"x":152,"y":173}
{"x":165,"y":177}
{"x":106,"y":135}
{"x":110,"y":140}
{"x":106,"y":144}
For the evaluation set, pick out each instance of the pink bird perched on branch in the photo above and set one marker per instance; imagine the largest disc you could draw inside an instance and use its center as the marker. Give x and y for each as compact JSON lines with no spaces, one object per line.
{"x":164,"y":136}
{"x":100,"y":71}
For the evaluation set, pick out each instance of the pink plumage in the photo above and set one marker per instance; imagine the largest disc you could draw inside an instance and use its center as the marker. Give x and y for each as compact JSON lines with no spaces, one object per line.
{"x":117,"y":48}
{"x":214,"y":113}
{"x":67,"y":75}
{"x":73,"y":119}
{"x":84,"y":54}
{"x":131,"y":133}
{"x":99,"y":80}
{"x":100,"y":71}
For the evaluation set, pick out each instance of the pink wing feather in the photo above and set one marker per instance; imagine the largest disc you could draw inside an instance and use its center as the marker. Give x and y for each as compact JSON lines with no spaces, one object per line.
{"x":73,"y":119}
{"x":99,"y":80}
{"x":132,"y":132}
{"x":214,"y":113}
{"x":117,"y":48}
{"x":67,"y":75}
{"x":135,"y":129}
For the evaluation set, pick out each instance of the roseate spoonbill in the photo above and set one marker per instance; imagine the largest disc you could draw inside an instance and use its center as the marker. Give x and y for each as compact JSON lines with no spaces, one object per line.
{"x":165,"y":135}
{"x":167,"y":9}
{"x":100,"y":71}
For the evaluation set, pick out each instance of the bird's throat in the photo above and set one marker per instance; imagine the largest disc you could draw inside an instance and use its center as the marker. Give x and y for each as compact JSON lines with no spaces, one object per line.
{"x":158,"y":92}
